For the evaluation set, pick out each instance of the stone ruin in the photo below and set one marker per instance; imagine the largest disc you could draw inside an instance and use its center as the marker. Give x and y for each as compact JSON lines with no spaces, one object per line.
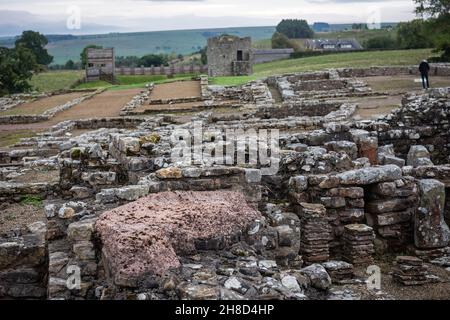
{"x":229,"y":56}
{"x":134,"y":223}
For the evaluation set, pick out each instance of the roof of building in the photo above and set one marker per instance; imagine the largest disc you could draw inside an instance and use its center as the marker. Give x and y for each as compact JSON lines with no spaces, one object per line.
{"x":320,"y":43}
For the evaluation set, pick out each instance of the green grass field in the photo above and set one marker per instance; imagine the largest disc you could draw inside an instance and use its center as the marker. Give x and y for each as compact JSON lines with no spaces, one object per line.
{"x":60,"y":80}
{"x":360,"y":35}
{"x":340,"y":60}
{"x":55,"y":80}
{"x":52,"y":81}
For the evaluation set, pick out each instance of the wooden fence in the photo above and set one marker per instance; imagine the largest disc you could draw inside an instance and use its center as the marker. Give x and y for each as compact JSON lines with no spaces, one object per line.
{"x":170,"y":70}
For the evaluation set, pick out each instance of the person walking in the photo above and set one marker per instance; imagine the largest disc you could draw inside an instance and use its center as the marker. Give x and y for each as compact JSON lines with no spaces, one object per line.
{"x":424,"y":69}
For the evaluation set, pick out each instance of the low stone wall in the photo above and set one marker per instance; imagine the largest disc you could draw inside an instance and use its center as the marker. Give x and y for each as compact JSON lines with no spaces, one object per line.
{"x":436,"y":70}
{"x":22,"y":119}
{"x":308,"y":108}
{"x":137,"y":100}
{"x":16,"y":156}
{"x":11,"y":191}
{"x":318,"y":85}
{"x":14,"y":100}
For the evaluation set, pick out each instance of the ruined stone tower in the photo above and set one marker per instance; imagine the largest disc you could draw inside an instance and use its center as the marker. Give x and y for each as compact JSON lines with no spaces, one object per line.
{"x":230,"y":56}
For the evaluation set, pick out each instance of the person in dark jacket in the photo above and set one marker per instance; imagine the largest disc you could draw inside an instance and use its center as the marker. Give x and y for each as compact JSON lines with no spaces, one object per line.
{"x":424,"y":69}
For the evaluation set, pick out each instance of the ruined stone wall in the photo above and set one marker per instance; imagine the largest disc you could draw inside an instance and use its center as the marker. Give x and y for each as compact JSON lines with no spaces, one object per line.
{"x":24,"y":263}
{"x":436,"y":70}
{"x":423,"y":120}
{"x":299,"y":109}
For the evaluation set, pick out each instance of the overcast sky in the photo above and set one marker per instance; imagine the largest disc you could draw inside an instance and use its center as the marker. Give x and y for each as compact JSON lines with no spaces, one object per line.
{"x":148,"y":15}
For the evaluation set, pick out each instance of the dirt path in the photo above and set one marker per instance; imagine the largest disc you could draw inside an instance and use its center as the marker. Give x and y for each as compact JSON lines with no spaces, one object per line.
{"x":18,"y":216}
{"x":106,"y":104}
{"x":176,"y":90}
{"x":403,"y":83}
{"x":371,"y":107}
{"x":41,"y":105}
{"x":430,"y":291}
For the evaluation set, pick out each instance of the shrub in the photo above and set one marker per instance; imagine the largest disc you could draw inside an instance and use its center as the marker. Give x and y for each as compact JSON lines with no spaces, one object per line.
{"x":280,"y":41}
{"x":381,"y":42}
{"x":413,"y":35}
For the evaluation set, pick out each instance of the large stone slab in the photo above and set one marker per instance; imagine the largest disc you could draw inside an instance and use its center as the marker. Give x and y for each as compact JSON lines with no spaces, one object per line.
{"x":370,"y":175}
{"x":431,"y":231}
{"x":146,"y":236}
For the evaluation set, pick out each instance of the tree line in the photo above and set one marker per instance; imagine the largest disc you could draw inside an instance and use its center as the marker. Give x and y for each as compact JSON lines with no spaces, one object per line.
{"x":147,"y":60}
{"x":431,"y":29}
{"x":18,"y":64}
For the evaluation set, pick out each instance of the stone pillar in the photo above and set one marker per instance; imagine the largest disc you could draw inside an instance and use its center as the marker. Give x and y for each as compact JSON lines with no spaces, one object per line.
{"x":315,"y":233}
{"x":358,"y":244}
{"x":430,"y":229}
{"x":410,"y":271}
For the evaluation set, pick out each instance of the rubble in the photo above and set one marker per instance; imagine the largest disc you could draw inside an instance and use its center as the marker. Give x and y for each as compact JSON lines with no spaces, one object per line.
{"x":140,"y":223}
{"x":410,"y":271}
{"x":340,"y":272}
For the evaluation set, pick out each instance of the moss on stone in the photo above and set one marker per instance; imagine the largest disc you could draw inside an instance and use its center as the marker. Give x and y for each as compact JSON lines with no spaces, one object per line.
{"x":152,"y":138}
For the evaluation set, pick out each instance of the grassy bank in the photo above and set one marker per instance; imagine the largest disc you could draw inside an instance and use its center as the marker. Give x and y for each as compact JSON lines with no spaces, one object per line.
{"x":59,"y":80}
{"x":340,"y":60}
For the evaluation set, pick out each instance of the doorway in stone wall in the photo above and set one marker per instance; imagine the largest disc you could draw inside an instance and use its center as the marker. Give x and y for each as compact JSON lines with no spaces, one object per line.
{"x":240,"y":55}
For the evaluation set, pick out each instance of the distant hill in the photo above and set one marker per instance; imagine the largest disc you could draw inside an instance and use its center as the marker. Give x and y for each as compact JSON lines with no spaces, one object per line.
{"x":65,"y":47}
{"x":68,"y":47}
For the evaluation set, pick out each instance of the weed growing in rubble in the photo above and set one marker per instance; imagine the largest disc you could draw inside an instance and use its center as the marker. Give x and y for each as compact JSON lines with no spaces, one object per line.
{"x":35,"y":201}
